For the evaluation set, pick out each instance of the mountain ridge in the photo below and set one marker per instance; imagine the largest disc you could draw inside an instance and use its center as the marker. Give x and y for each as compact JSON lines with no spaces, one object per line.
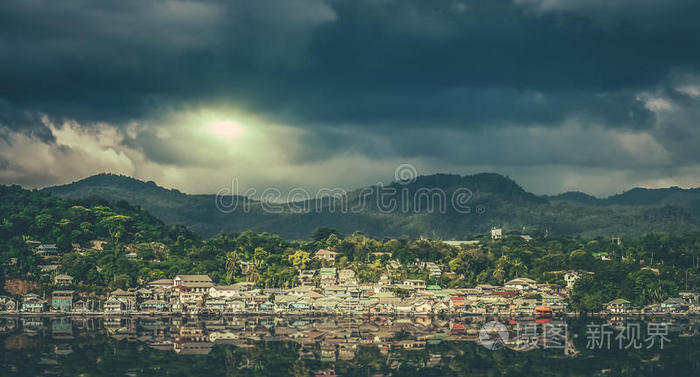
{"x":493,"y":200}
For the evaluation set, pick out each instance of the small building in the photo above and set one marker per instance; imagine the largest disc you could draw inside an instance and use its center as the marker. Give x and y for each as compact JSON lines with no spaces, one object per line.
{"x":62,"y":300}
{"x":161,"y":283}
{"x":188,"y":296}
{"x":386,"y":298}
{"x":524,"y":306}
{"x":521,"y":284}
{"x":153,"y":306}
{"x":46,"y":250}
{"x":80,"y":306}
{"x":618,"y":306}
{"x":114,"y":305}
{"x":505,"y":293}
{"x":327,"y":272}
{"x":234,"y":306}
{"x":143,"y":294}
{"x":422,"y":307}
{"x":31,"y":303}
{"x":49,"y":268}
{"x":486,"y":288}
{"x":690,"y":297}
{"x":327,"y":303}
{"x":462,"y":243}
{"x":675,"y":305}
{"x":433,"y":269}
{"x":414,"y":284}
{"x":63,"y":279}
{"x":224,"y":291}
{"x":7,"y":305}
{"x":328,"y":255}
{"x":333,"y":289}
{"x":496,"y":233}
{"x":404,"y":307}
{"x":215,"y":305}
{"x":33,"y":244}
{"x":127,"y":297}
{"x":97,"y":244}
{"x":198,"y":283}
{"x":346,"y":275}
{"x":10,"y":306}
{"x":457,"y":302}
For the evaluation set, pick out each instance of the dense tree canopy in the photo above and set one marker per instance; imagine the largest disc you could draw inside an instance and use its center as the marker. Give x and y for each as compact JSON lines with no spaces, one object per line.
{"x":644,"y":270}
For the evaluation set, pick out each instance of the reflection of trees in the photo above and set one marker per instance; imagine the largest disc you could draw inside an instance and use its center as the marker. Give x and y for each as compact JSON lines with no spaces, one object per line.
{"x":128,"y":349}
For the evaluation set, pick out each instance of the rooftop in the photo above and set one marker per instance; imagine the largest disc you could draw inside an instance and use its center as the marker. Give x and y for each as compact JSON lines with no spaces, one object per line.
{"x":326,"y":252}
{"x":197,"y":278}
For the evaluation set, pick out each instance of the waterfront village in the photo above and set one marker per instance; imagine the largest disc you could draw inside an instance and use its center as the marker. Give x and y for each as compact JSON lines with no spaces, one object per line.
{"x":323,"y":291}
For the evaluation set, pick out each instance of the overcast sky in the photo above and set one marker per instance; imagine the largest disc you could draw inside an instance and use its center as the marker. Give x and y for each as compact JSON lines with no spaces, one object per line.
{"x":591,"y":95}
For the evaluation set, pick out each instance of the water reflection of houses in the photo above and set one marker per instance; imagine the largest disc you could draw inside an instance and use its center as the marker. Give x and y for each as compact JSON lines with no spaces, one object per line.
{"x":33,"y":325}
{"x":62,"y":328}
{"x":327,"y":339}
{"x":192,"y":340}
{"x":121,"y":328}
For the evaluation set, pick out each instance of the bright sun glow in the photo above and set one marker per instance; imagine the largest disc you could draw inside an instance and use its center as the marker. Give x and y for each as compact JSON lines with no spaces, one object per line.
{"x":226,"y":129}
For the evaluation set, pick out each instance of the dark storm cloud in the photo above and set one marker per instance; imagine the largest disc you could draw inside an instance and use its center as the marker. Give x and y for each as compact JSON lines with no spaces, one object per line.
{"x":347,"y":71}
{"x":448,"y":63}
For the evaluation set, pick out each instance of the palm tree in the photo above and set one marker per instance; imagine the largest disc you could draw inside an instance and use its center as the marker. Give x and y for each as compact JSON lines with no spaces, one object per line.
{"x":253,"y":273}
{"x":518,"y":267}
{"x":499,"y":274}
{"x":232,"y":259}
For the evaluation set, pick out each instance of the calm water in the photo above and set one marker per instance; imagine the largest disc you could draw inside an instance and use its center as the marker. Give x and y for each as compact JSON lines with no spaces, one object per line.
{"x":275,"y":346}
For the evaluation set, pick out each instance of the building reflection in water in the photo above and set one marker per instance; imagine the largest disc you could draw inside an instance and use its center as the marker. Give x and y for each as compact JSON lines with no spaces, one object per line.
{"x":325,"y":339}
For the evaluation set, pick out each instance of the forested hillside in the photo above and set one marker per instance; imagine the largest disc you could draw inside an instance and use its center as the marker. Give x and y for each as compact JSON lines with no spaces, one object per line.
{"x":643,"y":269}
{"x":424,"y":208}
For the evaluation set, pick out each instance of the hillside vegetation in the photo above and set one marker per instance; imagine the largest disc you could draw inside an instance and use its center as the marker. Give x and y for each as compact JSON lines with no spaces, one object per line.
{"x":644,"y":269}
{"x":490,"y":200}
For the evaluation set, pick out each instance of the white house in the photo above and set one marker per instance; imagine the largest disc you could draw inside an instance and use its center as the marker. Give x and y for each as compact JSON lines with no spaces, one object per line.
{"x":326,"y":255}
{"x":46,"y":249}
{"x":224,"y":291}
{"x":62,"y":279}
{"x":114,"y":305}
{"x":414,"y":284}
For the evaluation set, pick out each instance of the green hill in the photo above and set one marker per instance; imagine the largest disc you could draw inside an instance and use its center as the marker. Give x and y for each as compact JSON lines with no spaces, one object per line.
{"x":689,"y":199}
{"x":48,"y":218}
{"x":442,"y":205}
